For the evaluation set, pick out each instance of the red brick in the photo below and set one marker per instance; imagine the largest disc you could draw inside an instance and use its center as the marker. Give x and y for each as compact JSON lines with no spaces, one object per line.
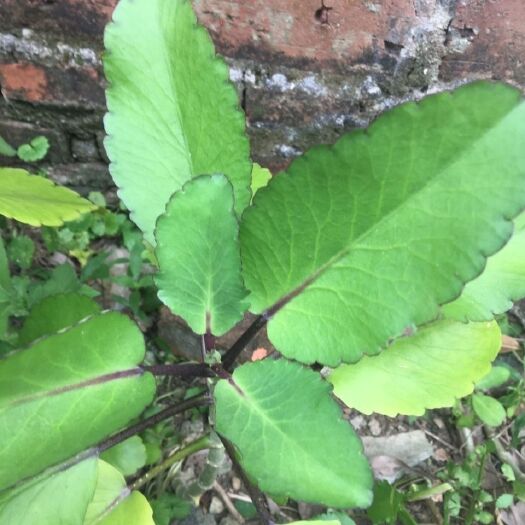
{"x":79,"y":86}
{"x":290,"y":30}
{"x":23,"y":81}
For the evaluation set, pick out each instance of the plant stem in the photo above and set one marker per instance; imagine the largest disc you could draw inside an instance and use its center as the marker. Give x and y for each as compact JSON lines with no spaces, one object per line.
{"x":429,"y":492}
{"x":192,"y":402}
{"x":256,"y":495}
{"x":199,"y":444}
{"x":233,"y":353}
{"x":471,"y":512}
{"x":188,"y":370}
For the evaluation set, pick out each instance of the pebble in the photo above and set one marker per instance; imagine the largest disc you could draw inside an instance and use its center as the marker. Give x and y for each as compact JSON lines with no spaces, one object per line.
{"x":216,"y":506}
{"x":375,"y":427}
{"x":236,"y":484}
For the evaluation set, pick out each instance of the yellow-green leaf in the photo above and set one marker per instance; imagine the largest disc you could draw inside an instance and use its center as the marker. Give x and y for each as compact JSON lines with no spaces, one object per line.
{"x":37,"y":201}
{"x":430,"y":369}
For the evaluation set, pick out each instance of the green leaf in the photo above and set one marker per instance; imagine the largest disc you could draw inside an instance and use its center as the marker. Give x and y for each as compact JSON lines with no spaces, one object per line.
{"x":112,"y":503}
{"x":504,"y":501}
{"x":497,"y":376}
{"x":128,"y":456}
{"x":507,"y":472}
{"x":110,"y":488}
{"x":61,"y":498}
{"x":388,"y":502}
{"x":501,"y":283}
{"x":260,"y":178}
{"x":134,"y":510}
{"x":21,"y":250}
{"x":36,"y":150}
{"x":6,"y":149}
{"x":84,"y":378}
{"x":316,"y":522}
{"x":357,"y":241}
{"x":62,"y":280}
{"x":429,"y":369}
{"x":168,"y":507}
{"x":5,"y":277}
{"x":55,"y":313}
{"x":246,"y":509}
{"x":6,"y":305}
{"x":198,"y":254}
{"x":37,"y":201}
{"x":488,"y":409}
{"x":290,"y":434}
{"x":173,"y":113}
{"x":340,"y":517}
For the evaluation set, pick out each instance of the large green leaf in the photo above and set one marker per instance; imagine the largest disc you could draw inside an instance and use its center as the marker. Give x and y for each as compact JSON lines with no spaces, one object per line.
{"x":501,"y":283}
{"x":355,"y":242}
{"x":110,"y":487}
{"x":59,"y":499}
{"x":172,"y":114}
{"x":198,"y":255}
{"x":54,"y":313}
{"x":38,"y":201}
{"x":68,"y":391}
{"x":113,"y":504}
{"x":5,"y":291}
{"x":429,"y":369}
{"x":128,"y":456}
{"x":290,"y":434}
{"x":134,"y":510}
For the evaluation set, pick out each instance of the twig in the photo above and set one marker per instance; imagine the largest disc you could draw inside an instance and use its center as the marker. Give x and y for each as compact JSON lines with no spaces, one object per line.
{"x":256,"y":495}
{"x":437,"y":438}
{"x":195,"y":446}
{"x":192,"y":402}
{"x":233,"y":353}
{"x":465,"y":435}
{"x":228,"y":502}
{"x":503,"y":455}
{"x":181,"y":370}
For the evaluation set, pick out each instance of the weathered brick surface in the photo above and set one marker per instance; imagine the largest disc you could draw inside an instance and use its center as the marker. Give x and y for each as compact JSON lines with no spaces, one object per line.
{"x":496,"y":31}
{"x":305,"y":75}
{"x":29,"y":82}
{"x":74,"y":19}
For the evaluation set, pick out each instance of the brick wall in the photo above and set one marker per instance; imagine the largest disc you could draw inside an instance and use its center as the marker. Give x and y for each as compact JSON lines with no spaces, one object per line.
{"x":305,"y":74}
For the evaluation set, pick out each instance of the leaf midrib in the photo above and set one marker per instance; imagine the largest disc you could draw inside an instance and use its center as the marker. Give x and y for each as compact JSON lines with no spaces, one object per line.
{"x":173,"y":86}
{"x":92,"y":382}
{"x":285,"y":299}
{"x":236,"y":389}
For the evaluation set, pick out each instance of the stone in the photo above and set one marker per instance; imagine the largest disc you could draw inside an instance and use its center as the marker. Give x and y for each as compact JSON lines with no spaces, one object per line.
{"x":85,"y":150}
{"x":374,"y":426}
{"x":236,"y":484}
{"x":216,"y":505}
{"x":393,"y":455}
